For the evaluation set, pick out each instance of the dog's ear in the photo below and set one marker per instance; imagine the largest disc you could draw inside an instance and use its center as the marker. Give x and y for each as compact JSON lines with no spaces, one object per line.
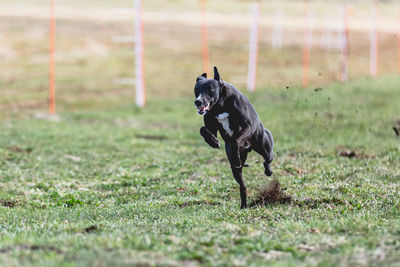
{"x":203,"y":76}
{"x":217,"y":77}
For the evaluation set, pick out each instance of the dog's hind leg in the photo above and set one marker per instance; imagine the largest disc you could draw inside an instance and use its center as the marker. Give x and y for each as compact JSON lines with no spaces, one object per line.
{"x":237,"y":173}
{"x":265,"y":148}
{"x":269,"y":146}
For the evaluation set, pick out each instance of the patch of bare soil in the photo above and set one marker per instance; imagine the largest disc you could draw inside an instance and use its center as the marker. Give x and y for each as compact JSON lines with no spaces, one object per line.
{"x":274,"y":193}
{"x":348,"y":153}
{"x":30,"y":105}
{"x":199,"y":202}
{"x":29,"y":247}
{"x":325,"y":202}
{"x":91,"y":228}
{"x":8,"y":203}
{"x":19,"y":150}
{"x":151,"y":137}
{"x":271,"y":193}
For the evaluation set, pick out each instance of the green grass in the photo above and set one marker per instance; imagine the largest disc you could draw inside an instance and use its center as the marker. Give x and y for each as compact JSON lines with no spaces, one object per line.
{"x":139,"y":187}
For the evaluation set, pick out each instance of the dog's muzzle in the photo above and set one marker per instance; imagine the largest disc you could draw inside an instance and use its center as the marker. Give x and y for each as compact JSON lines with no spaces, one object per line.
{"x":203,"y":109}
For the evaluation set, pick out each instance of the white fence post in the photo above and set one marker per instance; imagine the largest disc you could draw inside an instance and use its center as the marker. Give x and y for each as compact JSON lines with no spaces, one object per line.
{"x":139,"y":55}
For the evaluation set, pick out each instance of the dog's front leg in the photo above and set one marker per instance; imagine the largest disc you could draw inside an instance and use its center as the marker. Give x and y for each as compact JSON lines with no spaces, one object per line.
{"x":209,"y":132}
{"x":209,"y":137}
{"x":235,"y":155}
{"x":237,"y":173}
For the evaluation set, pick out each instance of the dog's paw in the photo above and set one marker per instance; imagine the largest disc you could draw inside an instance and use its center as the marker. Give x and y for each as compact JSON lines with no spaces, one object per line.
{"x":209,"y":138}
{"x":268,"y":171}
{"x":213,"y":142}
{"x":216,"y":145}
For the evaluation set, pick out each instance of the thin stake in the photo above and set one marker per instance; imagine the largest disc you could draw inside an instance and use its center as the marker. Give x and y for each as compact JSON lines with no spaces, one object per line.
{"x":52,"y":91}
{"x":204,"y":37}
{"x":139,"y":55}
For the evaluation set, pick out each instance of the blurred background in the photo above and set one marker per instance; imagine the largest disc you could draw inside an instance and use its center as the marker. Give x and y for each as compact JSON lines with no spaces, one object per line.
{"x":94,"y":49}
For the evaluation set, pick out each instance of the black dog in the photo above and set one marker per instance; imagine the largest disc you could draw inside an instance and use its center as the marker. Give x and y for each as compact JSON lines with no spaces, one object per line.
{"x":228,"y":111}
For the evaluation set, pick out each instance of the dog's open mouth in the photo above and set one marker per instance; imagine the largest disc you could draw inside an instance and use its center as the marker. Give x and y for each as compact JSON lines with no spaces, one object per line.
{"x":203,"y":109}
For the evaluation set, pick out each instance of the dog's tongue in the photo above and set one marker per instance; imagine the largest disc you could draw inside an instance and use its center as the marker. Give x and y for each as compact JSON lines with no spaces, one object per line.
{"x":202,"y":108}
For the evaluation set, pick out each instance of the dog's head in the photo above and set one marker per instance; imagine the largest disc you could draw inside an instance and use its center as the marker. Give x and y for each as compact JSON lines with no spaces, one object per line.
{"x":207,"y":92}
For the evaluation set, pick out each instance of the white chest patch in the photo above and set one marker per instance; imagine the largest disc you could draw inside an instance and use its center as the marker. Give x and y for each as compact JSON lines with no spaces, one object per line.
{"x":223,"y":119}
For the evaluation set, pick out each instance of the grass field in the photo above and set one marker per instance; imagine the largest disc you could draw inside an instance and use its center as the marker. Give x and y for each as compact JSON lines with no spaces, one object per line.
{"x":105,"y":184}
{"x":139,"y":187}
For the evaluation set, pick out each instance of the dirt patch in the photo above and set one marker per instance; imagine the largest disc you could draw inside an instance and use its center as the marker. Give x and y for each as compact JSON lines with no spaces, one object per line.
{"x":30,"y":247}
{"x":151,"y":137}
{"x":274,"y":193}
{"x":349,"y":153}
{"x":8,"y":203}
{"x":271,"y":193}
{"x":24,"y":106}
{"x":314,"y":203}
{"x":198,"y":202}
{"x":335,"y":115}
{"x":91,"y":229}
{"x":272,"y":254}
{"x":19,"y":150}
{"x":293,"y":170}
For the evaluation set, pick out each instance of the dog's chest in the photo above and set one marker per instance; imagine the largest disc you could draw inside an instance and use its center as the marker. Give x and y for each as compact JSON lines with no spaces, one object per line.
{"x":223,"y":119}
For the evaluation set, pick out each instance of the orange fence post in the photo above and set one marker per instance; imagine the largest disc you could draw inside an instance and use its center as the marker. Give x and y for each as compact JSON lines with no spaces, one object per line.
{"x":306,"y":45}
{"x":204,"y":37}
{"x":52,"y":90}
